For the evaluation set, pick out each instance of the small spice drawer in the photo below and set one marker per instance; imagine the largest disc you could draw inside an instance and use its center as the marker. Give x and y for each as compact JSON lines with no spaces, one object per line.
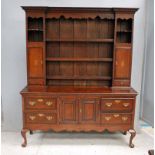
{"x":41,"y":103}
{"x":41,"y":118}
{"x":116,"y":118}
{"x":124,"y":105}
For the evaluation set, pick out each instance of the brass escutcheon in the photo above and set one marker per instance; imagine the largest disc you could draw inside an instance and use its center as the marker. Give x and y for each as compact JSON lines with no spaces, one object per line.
{"x":116,"y":115}
{"x":40,"y":100}
{"x":40,"y":115}
{"x":117,"y":101}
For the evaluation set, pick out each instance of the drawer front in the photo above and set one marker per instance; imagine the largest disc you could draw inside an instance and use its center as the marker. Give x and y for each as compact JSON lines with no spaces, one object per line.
{"x":41,"y":103}
{"x":41,"y":118}
{"x":116,"y":118}
{"x":125,"y":105}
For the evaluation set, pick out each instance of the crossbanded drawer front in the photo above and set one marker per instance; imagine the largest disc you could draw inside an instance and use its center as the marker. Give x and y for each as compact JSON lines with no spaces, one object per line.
{"x":124,"y":105}
{"x":41,"y":103}
{"x":41,"y":118}
{"x":116,"y":118}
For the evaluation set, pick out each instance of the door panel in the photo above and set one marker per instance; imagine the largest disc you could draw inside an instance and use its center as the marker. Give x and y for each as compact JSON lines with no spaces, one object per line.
{"x":89,"y":111}
{"x":123,"y":63}
{"x":35,"y":62}
{"x":68,"y":110}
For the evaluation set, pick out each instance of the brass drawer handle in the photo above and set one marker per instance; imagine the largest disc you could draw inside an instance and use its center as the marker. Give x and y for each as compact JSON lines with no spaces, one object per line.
{"x":32,"y":117}
{"x":108,"y":104}
{"x":117,"y":101}
{"x":124,"y":118}
{"x":49,"y":103}
{"x":32,"y":103}
{"x":126,"y":104}
{"x":116,"y":115}
{"x":107,"y":118}
{"x":49,"y":118}
{"x":40,"y":115}
{"x":40,"y":100}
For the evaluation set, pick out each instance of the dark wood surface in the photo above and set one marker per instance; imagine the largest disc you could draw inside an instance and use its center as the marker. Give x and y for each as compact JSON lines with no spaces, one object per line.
{"x":79,"y":70}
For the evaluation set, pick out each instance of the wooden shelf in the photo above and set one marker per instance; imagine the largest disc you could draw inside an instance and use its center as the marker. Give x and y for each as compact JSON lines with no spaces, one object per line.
{"x":81,"y":59}
{"x":79,"y":77}
{"x":80,"y":40}
{"x":124,"y":31}
{"x":40,"y":30}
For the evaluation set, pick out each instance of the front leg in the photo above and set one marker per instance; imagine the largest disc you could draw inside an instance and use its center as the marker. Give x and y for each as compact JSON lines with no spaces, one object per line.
{"x":133,"y":134}
{"x":23,"y":133}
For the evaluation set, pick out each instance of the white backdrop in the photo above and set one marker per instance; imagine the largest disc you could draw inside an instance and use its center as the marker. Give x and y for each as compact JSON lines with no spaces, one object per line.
{"x":14,"y":54}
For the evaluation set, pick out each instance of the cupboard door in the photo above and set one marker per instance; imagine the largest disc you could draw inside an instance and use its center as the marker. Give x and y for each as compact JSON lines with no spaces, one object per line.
{"x":35,"y":62}
{"x":68,"y":110}
{"x":89,"y":112}
{"x":123,"y":63}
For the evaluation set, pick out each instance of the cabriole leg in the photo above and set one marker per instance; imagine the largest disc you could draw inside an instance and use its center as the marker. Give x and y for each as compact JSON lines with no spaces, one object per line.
{"x":23,"y":133}
{"x":31,"y":132}
{"x":133,"y":134}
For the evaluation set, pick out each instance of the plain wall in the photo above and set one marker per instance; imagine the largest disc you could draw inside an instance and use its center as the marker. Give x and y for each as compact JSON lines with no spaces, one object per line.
{"x":14,"y":51}
{"x":147,"y":95}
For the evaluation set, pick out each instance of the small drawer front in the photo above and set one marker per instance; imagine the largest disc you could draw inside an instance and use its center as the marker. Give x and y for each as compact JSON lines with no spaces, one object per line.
{"x":41,"y":118}
{"x":41,"y":103}
{"x":116,"y":118}
{"x":125,"y":105}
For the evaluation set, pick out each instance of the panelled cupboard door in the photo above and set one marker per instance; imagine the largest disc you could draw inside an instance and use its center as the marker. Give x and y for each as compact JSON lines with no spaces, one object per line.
{"x":68,"y":110}
{"x":122,"y":63}
{"x":89,"y":111}
{"x":35,"y":62}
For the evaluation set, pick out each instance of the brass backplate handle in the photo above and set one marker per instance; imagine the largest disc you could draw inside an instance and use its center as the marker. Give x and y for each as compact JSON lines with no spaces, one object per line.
{"x":49,"y":103}
{"x":32,"y":117}
{"x":108,"y":104}
{"x":116,"y":115}
{"x":125,"y":104}
{"x":40,"y":100}
{"x":49,"y":118}
{"x":117,"y":101}
{"x":125,"y":118}
{"x":32,"y":103}
{"x":107,"y":118}
{"x":40,"y":115}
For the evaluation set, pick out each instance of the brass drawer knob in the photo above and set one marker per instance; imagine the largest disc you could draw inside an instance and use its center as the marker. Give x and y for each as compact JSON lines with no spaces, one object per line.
{"x":49,"y":103}
{"x":49,"y":118}
{"x":32,"y":103}
{"x":125,"y":104}
{"x":40,"y":100}
{"x":40,"y":115}
{"x":32,"y":117}
{"x":116,"y":115}
{"x":117,"y":101}
{"x":124,"y":118}
{"x":108,"y":104}
{"x":107,"y":118}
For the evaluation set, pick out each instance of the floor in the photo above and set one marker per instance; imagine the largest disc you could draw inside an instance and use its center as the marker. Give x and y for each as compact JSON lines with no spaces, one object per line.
{"x":74,"y":143}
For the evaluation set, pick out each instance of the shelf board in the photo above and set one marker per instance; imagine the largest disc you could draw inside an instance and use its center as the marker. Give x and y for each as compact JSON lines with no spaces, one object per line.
{"x":81,"y":59}
{"x":79,"y":77}
{"x":80,"y":40}
{"x":124,"y":31}
{"x":40,"y":30}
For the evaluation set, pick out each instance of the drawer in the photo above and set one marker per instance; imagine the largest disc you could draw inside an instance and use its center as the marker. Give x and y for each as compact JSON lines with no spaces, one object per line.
{"x":41,"y":103}
{"x":118,"y":105}
{"x":41,"y":117}
{"x":116,"y":118}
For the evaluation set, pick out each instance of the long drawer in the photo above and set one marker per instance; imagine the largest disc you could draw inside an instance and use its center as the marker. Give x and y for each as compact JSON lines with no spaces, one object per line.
{"x":116,"y":118}
{"x":41,"y":103}
{"x":117,"y":105}
{"x":41,"y":117}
